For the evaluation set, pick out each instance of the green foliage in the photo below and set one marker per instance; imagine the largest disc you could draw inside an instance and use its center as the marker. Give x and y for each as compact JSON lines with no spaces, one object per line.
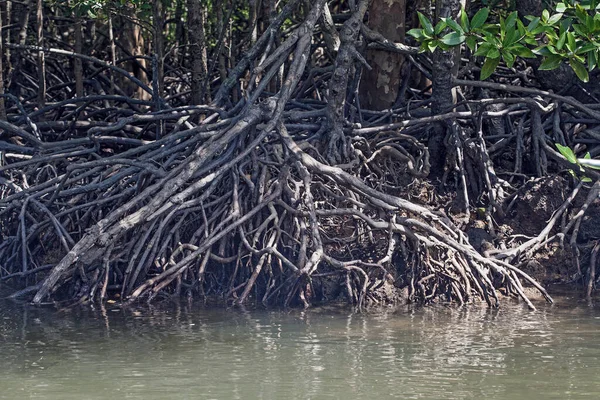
{"x":84,"y":8}
{"x":571,"y":34}
{"x":586,"y":161}
{"x":567,"y":153}
{"x":97,"y":9}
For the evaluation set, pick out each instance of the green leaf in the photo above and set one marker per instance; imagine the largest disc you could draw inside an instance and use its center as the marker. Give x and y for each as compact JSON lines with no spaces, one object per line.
{"x":579,"y":58}
{"x":508,"y":58}
{"x":589,"y":23}
{"x":425,"y":23}
{"x":542,"y":51}
{"x":581,"y":13}
{"x":493,"y":53}
{"x":440,"y":27}
{"x":489,"y":66}
{"x":565,"y":24}
{"x":567,"y":153}
{"x":479,"y":18}
{"x":592,"y":60}
{"x":491,"y":39}
{"x":464,"y":20}
{"x":452,"y":24}
{"x":585,"y":48}
{"x":483,"y":49}
{"x":545,"y":15}
{"x":533,"y":24}
{"x":453,"y":39}
{"x":424,"y":47}
{"x":579,"y":69}
{"x":561,"y":41}
{"x":521,"y":28}
{"x":554,"y":19}
{"x":551,"y":62}
{"x":553,"y":50}
{"x":510,"y":21}
{"x":571,"y":44}
{"x":539,"y":29}
{"x":530,"y":41}
{"x":510,"y":37}
{"x":581,"y":30}
{"x":471,"y":42}
{"x":522,"y":51}
{"x":416,"y":33}
{"x":561,"y":7}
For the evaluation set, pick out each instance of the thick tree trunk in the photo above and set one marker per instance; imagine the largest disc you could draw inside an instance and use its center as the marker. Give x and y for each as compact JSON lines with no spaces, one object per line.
{"x":223,"y":37}
{"x":338,"y":146}
{"x":7,"y":8}
{"x":78,"y":69}
{"x":445,"y":63}
{"x":21,"y":10}
{"x":179,"y":32}
{"x":2,"y":104}
{"x":133,"y":45}
{"x":253,"y":22}
{"x":159,"y":45}
{"x":379,"y":86}
{"x":113,"y":49}
{"x":445,"y":67}
{"x":224,"y":55}
{"x":41,"y":61}
{"x":197,"y":50}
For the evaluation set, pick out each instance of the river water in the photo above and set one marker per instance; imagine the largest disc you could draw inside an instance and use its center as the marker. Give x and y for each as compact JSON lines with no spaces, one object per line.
{"x":190,"y":352}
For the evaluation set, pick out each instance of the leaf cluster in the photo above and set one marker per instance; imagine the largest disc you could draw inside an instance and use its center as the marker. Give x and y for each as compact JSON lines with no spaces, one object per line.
{"x":586,"y":161}
{"x":97,"y":9}
{"x":84,"y":8}
{"x":571,"y":34}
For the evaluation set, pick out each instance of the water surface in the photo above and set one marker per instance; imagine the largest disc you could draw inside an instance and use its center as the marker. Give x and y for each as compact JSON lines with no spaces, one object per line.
{"x":190,"y":352}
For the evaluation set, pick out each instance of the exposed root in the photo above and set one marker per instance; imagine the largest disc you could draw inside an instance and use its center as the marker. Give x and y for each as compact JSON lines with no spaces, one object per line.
{"x":257,"y":200}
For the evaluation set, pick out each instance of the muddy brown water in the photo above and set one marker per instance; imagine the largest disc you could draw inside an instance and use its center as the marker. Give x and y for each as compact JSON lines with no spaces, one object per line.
{"x":190,"y":352}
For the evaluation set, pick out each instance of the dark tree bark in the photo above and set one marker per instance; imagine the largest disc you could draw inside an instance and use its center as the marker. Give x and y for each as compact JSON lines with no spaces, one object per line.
{"x":40,"y":60}
{"x":445,"y":67}
{"x":379,"y":86}
{"x":113,"y":48}
{"x":179,"y":31}
{"x":529,"y":7}
{"x":21,"y":12}
{"x":133,"y":45}
{"x":197,"y":49}
{"x":445,"y":63}
{"x":159,"y":44}
{"x":2,"y":104}
{"x":223,"y":36}
{"x":78,"y":69}
{"x":338,"y":147}
{"x":7,"y":8}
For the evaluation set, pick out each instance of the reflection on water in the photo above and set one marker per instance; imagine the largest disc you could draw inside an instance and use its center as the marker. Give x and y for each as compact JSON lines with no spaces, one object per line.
{"x":184,"y":352}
